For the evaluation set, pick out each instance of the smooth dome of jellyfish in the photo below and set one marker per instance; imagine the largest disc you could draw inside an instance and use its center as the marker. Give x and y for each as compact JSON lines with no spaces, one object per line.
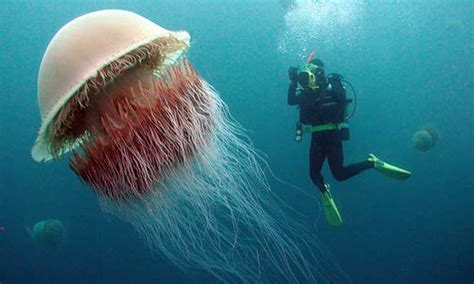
{"x":425,"y":139}
{"x":156,"y":143}
{"x":50,"y":232}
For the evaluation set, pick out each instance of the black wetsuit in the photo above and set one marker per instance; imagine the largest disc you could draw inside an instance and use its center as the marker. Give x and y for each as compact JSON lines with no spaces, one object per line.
{"x":324,"y":144}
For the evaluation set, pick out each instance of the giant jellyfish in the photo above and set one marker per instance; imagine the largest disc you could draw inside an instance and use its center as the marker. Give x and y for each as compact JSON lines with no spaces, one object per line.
{"x":157,"y":144}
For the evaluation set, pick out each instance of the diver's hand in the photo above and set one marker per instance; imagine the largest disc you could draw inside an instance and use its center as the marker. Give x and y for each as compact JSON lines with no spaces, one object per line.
{"x":293,"y":74}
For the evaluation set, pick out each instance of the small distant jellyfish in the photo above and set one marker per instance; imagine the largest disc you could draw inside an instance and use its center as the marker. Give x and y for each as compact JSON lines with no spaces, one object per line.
{"x":49,"y":232}
{"x":157,"y":144}
{"x":425,"y":139}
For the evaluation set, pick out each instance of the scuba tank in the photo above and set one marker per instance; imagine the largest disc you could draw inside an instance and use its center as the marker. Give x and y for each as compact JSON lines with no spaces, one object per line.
{"x":337,"y":109}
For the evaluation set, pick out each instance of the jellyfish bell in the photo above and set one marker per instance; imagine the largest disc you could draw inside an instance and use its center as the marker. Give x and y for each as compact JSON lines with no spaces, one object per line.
{"x":49,"y":232}
{"x":422,"y":140}
{"x":425,"y":138}
{"x":156,"y":143}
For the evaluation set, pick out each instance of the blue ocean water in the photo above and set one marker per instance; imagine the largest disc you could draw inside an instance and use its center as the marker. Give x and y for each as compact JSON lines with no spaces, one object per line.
{"x":412,"y":64}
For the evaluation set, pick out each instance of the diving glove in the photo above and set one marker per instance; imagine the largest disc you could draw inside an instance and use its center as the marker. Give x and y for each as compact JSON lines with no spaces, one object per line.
{"x":389,"y":170}
{"x":293,"y":74}
{"x":329,"y":207}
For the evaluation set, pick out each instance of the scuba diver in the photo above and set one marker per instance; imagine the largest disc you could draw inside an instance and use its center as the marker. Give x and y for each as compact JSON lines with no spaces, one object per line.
{"x":323,"y":112}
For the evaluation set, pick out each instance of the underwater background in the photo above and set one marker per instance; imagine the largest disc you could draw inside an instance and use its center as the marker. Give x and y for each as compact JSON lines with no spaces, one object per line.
{"x":411,"y":63}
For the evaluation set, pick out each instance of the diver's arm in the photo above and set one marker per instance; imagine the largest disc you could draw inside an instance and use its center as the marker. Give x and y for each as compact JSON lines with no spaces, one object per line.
{"x":293,"y":99}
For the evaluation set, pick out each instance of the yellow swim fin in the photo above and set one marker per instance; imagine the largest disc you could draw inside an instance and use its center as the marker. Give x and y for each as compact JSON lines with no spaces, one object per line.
{"x":330,"y":210}
{"x":389,"y":170}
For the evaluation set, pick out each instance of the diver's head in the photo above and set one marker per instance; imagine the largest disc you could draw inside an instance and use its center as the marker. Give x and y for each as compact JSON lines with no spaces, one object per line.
{"x":312,"y":74}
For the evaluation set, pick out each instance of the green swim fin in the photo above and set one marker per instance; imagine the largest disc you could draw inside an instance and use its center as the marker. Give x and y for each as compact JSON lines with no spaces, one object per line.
{"x":389,"y":170}
{"x":330,"y":210}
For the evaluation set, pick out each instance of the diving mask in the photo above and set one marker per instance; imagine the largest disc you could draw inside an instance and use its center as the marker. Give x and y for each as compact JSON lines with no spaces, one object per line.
{"x":308,"y":76}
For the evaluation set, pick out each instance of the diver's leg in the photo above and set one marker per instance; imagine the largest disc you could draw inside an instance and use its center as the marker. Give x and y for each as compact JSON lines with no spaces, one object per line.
{"x":317,"y":154}
{"x":336,"y":160}
{"x":319,"y":150}
{"x":388,"y":169}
